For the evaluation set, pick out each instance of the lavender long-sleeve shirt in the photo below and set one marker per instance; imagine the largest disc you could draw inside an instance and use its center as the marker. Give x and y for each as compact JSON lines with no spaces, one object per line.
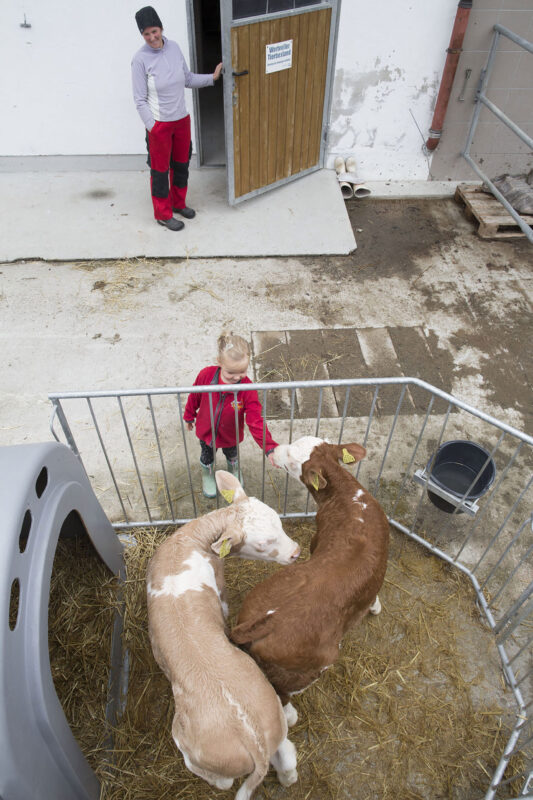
{"x":159,"y":78}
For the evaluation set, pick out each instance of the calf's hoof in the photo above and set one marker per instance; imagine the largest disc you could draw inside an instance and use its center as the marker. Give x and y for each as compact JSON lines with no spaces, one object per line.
{"x":222,"y":783}
{"x":288,"y":778}
{"x":291,"y":715}
{"x":375,"y":608}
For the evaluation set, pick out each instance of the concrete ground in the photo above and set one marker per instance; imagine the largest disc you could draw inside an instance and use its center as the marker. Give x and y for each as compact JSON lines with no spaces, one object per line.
{"x":95,"y":214}
{"x":423,"y":293}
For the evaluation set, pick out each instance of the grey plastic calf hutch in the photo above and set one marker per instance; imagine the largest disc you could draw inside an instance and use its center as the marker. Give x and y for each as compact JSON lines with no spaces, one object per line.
{"x":40,"y":486}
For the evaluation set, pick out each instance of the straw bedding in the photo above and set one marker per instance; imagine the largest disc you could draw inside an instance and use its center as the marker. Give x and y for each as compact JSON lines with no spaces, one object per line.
{"x":414,"y":708}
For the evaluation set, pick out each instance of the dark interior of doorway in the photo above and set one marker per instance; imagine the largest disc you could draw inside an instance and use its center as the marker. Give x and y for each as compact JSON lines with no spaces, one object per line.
{"x":210,"y":101}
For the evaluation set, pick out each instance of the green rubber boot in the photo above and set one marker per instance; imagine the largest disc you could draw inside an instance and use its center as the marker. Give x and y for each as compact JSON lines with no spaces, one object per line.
{"x":233,"y":467}
{"x":209,"y":487}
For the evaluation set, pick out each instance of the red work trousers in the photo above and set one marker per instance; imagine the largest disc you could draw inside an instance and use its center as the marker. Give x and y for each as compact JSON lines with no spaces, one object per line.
{"x":169,"y":146}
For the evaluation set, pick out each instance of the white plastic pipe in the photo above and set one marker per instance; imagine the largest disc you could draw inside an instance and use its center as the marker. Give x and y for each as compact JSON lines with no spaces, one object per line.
{"x":346,"y":186}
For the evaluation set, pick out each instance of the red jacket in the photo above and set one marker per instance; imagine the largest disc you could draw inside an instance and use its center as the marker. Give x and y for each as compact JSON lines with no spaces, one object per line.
{"x":223,"y":404}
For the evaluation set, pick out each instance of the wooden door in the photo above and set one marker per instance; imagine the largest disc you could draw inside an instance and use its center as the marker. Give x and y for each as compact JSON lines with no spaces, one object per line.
{"x":277,"y":118}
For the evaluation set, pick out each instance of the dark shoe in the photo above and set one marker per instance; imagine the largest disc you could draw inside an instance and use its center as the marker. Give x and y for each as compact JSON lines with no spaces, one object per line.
{"x":172,"y":224}
{"x":188,"y":213}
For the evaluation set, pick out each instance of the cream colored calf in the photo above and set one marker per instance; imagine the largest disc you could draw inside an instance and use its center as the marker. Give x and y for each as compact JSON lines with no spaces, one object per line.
{"x":228,"y":720}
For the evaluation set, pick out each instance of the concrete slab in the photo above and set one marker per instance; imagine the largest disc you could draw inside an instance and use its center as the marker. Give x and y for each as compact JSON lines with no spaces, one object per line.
{"x":70,"y":216}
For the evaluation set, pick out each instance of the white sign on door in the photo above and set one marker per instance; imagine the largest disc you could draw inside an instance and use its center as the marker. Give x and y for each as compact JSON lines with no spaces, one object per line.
{"x":278,"y":56}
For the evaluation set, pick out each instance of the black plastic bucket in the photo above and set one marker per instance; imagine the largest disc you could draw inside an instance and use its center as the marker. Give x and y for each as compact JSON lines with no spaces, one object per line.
{"x":455,"y":467}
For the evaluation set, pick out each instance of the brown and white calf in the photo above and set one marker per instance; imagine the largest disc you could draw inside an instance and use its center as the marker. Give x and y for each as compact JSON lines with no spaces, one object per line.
{"x":293,"y":622}
{"x":228,"y":720}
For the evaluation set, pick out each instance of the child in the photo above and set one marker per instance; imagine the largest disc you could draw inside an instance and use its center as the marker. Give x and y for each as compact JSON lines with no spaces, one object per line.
{"x":232,"y":365}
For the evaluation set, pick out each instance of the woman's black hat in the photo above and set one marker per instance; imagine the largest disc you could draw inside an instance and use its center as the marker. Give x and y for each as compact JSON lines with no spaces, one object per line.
{"x":147,"y":18}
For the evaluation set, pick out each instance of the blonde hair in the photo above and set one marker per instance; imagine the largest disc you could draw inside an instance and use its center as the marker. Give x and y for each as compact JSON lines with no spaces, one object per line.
{"x":232,"y":346}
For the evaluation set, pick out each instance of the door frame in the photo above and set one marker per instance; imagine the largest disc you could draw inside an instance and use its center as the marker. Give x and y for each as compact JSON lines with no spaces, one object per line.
{"x":227,"y":23}
{"x":193,"y":59}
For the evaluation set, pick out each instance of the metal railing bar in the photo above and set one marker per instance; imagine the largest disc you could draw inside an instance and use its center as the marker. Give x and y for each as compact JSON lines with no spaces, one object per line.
{"x":51,"y":423}
{"x":481,"y":99}
{"x":337,"y":382}
{"x":429,"y":468}
{"x":517,"y":776}
{"x":369,"y":423}
{"x":513,"y":541}
{"x":156,"y":431}
{"x":511,"y":680}
{"x":391,"y":434}
{"x":479,"y":472}
{"x":504,"y":523}
{"x":213,"y":436}
{"x":237,"y":430}
{"x":485,"y":74}
{"x":505,"y":622}
{"x":183,"y":521}
{"x":524,"y":227}
{"x":58,"y":409}
{"x":504,"y":760}
{"x":132,"y":450}
{"x":293,"y":396}
{"x":493,"y":494}
{"x":464,"y":496}
{"x":520,"y":652}
{"x":412,"y":460}
{"x":514,"y":37}
{"x":525,"y":676}
{"x":317,"y":428}
{"x":186,"y":449}
{"x":104,"y":451}
{"x":344,"y":413}
{"x":319,"y":410}
{"x":506,"y":121}
{"x":263,"y":461}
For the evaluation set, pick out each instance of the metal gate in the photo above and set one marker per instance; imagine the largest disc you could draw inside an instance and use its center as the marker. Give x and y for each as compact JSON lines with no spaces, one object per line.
{"x":482,"y":100}
{"x":142,"y":463}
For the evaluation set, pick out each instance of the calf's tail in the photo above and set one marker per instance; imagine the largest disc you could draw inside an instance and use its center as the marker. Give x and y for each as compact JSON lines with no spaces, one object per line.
{"x":253,"y":780}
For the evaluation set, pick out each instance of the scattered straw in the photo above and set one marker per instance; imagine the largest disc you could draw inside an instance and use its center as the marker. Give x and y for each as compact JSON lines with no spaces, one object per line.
{"x":411,"y":710}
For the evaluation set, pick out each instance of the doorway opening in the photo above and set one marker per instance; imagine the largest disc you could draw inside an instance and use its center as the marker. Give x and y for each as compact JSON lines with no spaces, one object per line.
{"x":209,"y":102}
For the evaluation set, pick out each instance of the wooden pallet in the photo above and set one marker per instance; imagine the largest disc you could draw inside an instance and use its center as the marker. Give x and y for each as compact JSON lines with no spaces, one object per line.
{"x":494,"y":221}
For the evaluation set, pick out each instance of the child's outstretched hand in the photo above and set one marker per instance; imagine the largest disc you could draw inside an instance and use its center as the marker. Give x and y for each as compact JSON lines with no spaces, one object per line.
{"x":271,"y":459}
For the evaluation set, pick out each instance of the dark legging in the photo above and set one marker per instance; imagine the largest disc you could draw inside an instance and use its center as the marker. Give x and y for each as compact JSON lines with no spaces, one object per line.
{"x":207,"y":456}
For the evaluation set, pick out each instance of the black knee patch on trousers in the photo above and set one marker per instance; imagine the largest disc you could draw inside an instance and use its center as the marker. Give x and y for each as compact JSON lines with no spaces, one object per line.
{"x":180,"y":177}
{"x":180,"y":169}
{"x":159,"y":183}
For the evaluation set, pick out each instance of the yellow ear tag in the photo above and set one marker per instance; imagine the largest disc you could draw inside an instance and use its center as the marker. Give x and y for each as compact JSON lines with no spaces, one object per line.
{"x":224,"y":548}
{"x":347,"y":457}
{"x":227,"y":494}
{"x":314,"y":482}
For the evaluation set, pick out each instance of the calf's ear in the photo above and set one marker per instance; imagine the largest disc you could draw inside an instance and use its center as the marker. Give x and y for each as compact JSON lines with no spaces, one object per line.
{"x":228,"y":486}
{"x":252,"y":630}
{"x":313,"y":477}
{"x":350,"y":453}
{"x":226,"y":541}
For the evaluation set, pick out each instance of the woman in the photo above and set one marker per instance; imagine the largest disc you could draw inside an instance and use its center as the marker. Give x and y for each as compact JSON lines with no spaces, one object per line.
{"x":159,"y":76}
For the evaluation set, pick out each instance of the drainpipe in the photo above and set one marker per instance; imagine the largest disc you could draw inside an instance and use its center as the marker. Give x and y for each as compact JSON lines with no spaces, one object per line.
{"x":450,"y":68}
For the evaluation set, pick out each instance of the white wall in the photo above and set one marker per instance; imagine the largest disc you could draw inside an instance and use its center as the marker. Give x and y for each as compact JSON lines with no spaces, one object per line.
{"x":69,"y":90}
{"x":69,"y":85}
{"x":390,"y":59}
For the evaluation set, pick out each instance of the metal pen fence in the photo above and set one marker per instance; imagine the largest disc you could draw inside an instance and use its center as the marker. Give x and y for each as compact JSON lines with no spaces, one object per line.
{"x":481,"y":101}
{"x":142,"y":462}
